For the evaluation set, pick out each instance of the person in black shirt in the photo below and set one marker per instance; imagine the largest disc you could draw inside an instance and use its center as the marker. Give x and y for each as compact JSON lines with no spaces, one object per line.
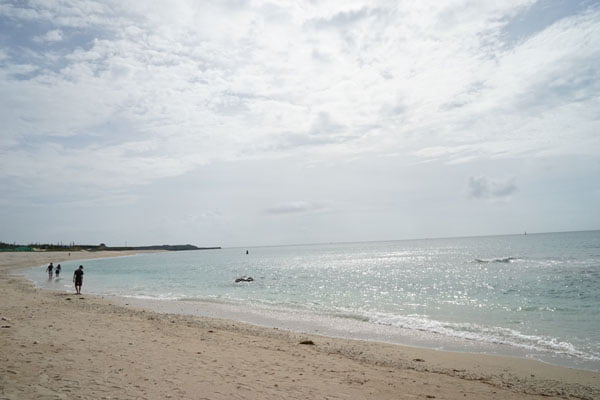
{"x":49,"y":270}
{"x":57,"y":271}
{"x":78,"y":278}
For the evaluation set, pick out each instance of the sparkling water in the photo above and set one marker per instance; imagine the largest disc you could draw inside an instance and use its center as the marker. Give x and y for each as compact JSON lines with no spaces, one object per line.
{"x":535,"y":295}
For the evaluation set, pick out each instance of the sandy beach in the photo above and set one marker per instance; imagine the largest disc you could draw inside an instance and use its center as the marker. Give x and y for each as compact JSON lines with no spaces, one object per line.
{"x":58,"y":345}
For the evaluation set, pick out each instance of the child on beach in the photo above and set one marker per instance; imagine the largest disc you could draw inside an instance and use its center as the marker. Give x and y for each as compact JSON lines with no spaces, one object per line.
{"x":78,"y":278}
{"x":49,"y":270}
{"x":57,"y":271}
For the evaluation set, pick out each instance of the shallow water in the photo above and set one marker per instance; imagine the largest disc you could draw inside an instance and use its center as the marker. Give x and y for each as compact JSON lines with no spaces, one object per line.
{"x":534,"y":295}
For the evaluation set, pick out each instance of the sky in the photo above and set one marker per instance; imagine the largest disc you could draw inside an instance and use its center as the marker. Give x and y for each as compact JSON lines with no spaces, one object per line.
{"x":266,"y":122}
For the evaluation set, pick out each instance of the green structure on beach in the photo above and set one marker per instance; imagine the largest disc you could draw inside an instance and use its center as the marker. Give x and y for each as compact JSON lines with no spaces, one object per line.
{"x":16,"y":248}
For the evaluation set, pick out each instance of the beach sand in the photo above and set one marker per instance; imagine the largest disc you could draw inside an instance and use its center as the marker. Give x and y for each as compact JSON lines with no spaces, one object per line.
{"x":57,"y":345}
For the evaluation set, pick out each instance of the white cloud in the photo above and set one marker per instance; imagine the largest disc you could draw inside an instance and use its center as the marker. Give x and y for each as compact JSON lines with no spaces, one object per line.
{"x":296,"y":207}
{"x":55,"y":35}
{"x":141,"y":91}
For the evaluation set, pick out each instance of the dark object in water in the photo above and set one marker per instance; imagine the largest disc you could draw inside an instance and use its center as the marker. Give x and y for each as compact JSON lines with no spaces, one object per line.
{"x":496,"y":260}
{"x":244,"y":279}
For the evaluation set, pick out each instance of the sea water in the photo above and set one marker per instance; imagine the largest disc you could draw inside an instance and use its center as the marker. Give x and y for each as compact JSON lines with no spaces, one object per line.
{"x":535,"y":295}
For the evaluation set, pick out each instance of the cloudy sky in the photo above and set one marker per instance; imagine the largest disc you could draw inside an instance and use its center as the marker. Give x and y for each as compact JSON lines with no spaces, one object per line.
{"x":240,"y":123}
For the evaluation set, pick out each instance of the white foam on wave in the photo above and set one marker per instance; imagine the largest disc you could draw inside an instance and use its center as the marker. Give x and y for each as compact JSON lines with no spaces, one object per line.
{"x":480,"y":333}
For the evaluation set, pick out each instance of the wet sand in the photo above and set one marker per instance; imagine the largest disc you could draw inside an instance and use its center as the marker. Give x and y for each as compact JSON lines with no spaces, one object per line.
{"x":58,"y":345}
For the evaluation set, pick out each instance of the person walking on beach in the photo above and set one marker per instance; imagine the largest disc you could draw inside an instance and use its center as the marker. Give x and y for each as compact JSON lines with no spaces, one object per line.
{"x":78,"y":278}
{"x":57,"y":271}
{"x":49,"y":270}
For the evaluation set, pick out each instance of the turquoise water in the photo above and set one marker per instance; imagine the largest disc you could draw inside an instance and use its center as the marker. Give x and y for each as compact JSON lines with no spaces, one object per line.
{"x":534,"y":295}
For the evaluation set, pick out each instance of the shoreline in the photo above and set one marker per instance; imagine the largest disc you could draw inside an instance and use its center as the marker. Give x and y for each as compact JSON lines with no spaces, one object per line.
{"x":334,"y":326}
{"x":240,"y":355}
{"x":337,"y":325}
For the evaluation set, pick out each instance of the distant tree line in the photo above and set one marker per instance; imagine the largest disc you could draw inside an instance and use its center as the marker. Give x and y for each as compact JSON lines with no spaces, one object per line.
{"x":100,"y":247}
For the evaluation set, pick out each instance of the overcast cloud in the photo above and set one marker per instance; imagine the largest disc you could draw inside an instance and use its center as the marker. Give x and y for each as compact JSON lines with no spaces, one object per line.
{"x":268,"y":122}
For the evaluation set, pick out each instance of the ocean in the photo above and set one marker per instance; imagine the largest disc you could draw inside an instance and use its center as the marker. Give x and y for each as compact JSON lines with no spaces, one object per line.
{"x":535,"y":296}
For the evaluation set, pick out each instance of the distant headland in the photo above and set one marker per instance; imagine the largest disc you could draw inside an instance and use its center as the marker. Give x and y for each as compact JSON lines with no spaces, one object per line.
{"x":98,"y":247}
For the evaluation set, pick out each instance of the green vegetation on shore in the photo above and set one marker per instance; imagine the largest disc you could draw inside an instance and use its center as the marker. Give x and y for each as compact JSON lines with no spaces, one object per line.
{"x":99,"y":247}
